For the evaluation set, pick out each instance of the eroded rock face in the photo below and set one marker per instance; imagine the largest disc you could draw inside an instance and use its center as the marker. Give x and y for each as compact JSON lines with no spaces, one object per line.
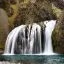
{"x":3,"y":28}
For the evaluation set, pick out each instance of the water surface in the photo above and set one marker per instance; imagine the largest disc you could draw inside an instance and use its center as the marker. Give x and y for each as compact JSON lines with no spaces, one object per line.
{"x":40,"y":59}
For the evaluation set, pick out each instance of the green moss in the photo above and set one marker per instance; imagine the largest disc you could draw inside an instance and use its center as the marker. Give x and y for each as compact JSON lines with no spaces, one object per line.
{"x":12,"y":18}
{"x":56,"y":11}
{"x":2,"y":45}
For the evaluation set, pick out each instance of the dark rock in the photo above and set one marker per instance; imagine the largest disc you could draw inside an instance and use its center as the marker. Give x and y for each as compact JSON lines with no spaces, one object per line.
{"x":1,"y":1}
{"x":3,"y":4}
{"x":12,"y":1}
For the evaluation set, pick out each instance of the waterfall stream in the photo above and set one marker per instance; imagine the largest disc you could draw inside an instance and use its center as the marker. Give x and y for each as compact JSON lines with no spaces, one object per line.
{"x":27,"y":39}
{"x":48,"y":48}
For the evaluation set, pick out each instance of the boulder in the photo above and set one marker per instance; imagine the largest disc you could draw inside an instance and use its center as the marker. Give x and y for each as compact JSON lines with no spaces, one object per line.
{"x":3,"y":28}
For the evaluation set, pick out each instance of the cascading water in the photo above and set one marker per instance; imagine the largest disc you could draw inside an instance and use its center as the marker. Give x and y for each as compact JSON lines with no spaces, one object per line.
{"x":27,"y":39}
{"x":48,"y":49}
{"x":11,"y":39}
{"x":22,"y":39}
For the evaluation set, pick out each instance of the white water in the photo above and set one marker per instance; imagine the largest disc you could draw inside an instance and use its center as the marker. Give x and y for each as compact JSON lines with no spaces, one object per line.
{"x":12,"y":37}
{"x":30,"y":37}
{"x":48,"y":49}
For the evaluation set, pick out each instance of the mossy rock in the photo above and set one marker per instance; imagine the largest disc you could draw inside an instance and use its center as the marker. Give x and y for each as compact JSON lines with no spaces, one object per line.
{"x":58,"y":35}
{"x":56,"y":11}
{"x":36,"y":12}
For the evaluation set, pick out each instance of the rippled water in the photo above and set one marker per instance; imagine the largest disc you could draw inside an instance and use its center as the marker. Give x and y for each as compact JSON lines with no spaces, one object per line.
{"x":33,"y":59}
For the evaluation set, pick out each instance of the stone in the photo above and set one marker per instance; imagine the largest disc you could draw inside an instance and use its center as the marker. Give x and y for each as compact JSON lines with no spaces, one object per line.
{"x":3,"y":28}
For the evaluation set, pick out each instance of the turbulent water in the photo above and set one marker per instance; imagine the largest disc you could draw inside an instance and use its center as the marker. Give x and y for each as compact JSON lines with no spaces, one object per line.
{"x":28,"y":39}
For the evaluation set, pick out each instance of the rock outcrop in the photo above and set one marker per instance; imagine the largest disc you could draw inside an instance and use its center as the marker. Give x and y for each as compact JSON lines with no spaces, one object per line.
{"x":3,"y":28}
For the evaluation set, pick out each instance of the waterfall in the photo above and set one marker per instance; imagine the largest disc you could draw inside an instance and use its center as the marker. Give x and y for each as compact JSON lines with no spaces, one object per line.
{"x":26,"y":39}
{"x":11,"y":39}
{"x":22,"y":39}
{"x":48,"y":48}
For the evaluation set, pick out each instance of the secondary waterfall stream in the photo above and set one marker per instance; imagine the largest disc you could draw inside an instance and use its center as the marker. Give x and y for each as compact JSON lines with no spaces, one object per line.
{"x":27,"y":39}
{"x":48,"y":49}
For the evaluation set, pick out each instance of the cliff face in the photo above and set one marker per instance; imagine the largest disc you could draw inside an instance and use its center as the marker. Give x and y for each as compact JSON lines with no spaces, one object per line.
{"x":37,"y":11}
{"x":58,"y":35}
